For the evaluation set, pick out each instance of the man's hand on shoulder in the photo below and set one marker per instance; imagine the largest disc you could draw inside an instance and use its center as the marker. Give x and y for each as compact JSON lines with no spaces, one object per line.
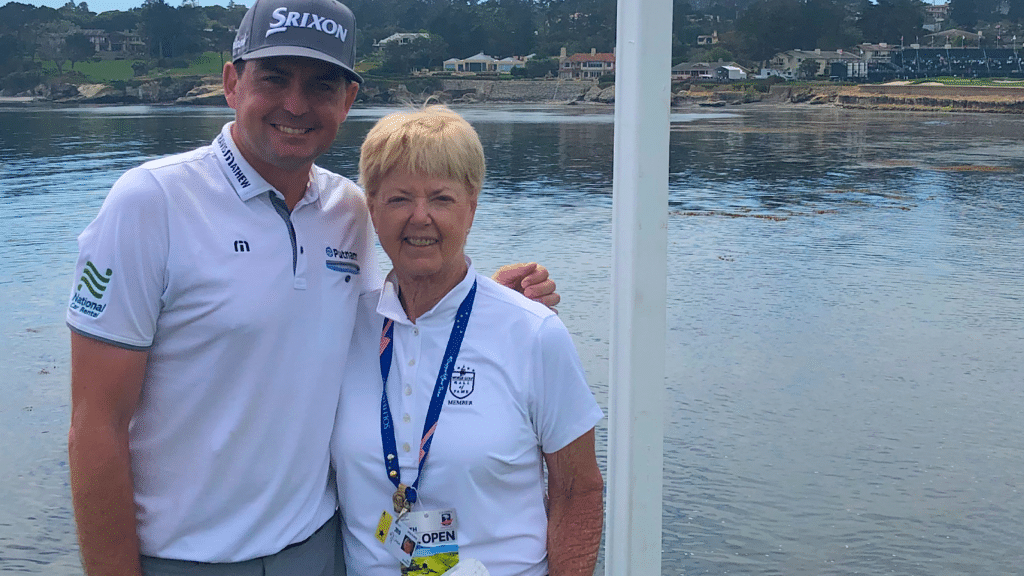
{"x":531,"y":280}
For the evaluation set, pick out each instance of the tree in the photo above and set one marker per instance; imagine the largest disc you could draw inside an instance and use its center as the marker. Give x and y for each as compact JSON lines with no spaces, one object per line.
{"x":116,"y":21}
{"x":77,"y":14}
{"x":51,"y":47}
{"x":967,"y":13}
{"x":509,"y":27}
{"x":419,"y":53}
{"x":220,"y":38}
{"x":158,"y":26}
{"x":170,"y":32}
{"x":78,"y":48}
{"x":461,"y":29}
{"x":52,"y":42}
{"x":540,"y":67}
{"x":9,"y":57}
{"x":716,"y":53}
{"x":808,"y":69}
{"x":769,"y":27}
{"x":891,"y":21}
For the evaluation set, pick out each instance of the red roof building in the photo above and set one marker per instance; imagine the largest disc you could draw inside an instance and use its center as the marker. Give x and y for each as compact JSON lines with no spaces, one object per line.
{"x":584,"y":66}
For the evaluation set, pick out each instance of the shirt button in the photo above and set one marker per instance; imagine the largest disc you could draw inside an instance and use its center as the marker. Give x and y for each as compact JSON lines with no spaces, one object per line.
{"x":406,"y":418}
{"x":405,"y":446}
{"x":415,"y":331}
{"x":408,"y":390}
{"x":412,"y":362}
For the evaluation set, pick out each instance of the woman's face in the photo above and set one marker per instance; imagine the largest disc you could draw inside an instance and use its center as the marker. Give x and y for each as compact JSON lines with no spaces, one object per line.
{"x":422,"y":223}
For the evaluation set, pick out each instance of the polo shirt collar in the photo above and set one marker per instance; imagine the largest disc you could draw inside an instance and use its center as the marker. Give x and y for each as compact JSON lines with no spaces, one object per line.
{"x":244,"y":179}
{"x":443,"y":312}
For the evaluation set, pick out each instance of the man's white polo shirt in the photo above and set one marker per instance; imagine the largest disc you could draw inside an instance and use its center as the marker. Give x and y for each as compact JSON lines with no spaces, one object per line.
{"x":246,"y":312}
{"x":518,"y":392}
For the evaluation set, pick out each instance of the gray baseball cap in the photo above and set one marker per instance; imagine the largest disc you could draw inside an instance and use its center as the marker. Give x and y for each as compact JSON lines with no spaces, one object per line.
{"x":321,"y":29}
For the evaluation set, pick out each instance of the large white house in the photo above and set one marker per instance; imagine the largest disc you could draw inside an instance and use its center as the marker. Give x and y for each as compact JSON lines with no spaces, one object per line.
{"x":483,"y":63}
{"x":400,"y":38}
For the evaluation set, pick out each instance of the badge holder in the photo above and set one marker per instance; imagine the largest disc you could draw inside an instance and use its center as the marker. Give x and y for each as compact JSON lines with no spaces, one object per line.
{"x":468,"y":567}
{"x":424,"y":542}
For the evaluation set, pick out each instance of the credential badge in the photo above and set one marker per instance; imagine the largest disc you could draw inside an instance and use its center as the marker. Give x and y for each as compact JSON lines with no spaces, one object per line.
{"x":463,"y":380}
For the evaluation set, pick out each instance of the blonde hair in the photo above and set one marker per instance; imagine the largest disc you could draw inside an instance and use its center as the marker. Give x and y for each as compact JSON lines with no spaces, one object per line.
{"x":433,"y":141}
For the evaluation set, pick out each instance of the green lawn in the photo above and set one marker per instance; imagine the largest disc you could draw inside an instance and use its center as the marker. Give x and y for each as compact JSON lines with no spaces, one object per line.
{"x":105,"y":71}
{"x":973,"y":81}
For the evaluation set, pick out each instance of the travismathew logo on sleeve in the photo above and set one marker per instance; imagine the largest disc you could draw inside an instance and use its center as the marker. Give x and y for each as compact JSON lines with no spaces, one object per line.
{"x":89,"y":294}
{"x":283,"y":20}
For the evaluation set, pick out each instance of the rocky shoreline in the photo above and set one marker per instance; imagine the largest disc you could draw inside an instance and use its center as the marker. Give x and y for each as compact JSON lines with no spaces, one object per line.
{"x":907,"y":97}
{"x":207,"y":90}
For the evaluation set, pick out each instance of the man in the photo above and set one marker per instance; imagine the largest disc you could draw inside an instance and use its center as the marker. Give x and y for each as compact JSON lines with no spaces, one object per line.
{"x":212,"y":317}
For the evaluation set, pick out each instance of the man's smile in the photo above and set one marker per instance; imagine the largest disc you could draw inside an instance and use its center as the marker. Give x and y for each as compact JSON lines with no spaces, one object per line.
{"x":292,"y":131}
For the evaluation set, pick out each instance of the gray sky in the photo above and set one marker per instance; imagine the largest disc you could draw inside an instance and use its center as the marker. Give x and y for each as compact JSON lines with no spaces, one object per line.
{"x":105,"y":5}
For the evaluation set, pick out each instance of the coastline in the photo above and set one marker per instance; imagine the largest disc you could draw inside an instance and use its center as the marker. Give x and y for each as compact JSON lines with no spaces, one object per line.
{"x":896,"y":96}
{"x":907,"y":97}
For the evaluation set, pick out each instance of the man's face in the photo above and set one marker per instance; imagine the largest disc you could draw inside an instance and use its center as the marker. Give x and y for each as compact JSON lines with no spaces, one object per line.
{"x":287,"y":110}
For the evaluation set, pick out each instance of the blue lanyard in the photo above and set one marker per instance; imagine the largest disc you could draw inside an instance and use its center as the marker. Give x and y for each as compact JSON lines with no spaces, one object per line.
{"x":444,"y":375}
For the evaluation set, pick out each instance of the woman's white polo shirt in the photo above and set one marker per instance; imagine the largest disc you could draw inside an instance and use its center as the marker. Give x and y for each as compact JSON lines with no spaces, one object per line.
{"x":518,"y":391}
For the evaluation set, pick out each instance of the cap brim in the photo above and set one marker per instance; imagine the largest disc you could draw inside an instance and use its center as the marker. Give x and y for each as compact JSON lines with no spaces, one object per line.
{"x":271,"y":51}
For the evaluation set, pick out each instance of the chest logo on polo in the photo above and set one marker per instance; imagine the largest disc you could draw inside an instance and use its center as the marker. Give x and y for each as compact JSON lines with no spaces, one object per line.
{"x":342,"y":261}
{"x":461,"y":386}
{"x":89,"y":297}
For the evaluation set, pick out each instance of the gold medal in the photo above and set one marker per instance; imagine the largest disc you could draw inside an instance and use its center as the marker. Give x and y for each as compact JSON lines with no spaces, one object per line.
{"x":401,"y":505}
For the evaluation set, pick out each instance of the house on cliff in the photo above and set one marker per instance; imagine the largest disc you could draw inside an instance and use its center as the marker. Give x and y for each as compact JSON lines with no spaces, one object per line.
{"x":787,"y":64}
{"x":482,"y":63}
{"x":582,"y":66}
{"x":111,"y":45}
{"x":708,"y":71}
{"x":400,"y":38}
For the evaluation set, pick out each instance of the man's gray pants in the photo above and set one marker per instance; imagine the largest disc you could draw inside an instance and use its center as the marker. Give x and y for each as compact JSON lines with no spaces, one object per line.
{"x":319,"y":555}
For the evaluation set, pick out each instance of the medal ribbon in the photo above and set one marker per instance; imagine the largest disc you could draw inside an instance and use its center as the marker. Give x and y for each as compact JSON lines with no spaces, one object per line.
{"x":444,"y":375}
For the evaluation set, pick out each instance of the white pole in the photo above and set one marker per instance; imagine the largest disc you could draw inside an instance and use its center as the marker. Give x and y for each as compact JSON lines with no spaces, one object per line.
{"x":643,"y":61}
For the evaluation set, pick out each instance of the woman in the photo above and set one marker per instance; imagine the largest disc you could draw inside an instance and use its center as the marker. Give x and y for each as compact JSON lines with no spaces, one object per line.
{"x":483,"y":387}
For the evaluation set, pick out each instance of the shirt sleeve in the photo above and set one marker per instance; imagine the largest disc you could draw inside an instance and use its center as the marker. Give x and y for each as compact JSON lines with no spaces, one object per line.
{"x":121,"y":271}
{"x":373,"y":279}
{"x":564,"y":407}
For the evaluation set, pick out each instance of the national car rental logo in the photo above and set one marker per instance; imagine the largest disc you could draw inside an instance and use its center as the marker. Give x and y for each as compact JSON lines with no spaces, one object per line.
{"x":92,"y":286}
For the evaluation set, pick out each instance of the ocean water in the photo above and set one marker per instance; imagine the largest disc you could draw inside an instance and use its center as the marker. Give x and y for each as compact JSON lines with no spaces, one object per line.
{"x":845,"y":316}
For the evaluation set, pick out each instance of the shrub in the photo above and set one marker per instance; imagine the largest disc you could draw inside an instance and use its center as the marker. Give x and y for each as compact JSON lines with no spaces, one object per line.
{"x":540,"y":67}
{"x":18,"y":82}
